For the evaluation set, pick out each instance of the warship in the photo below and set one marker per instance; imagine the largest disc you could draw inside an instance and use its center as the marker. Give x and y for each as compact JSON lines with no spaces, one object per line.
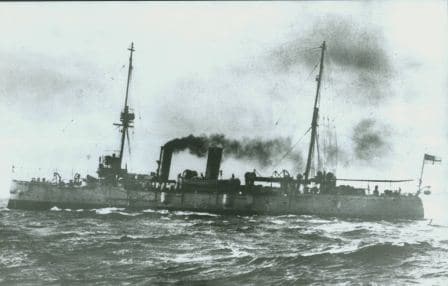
{"x":281,"y":193}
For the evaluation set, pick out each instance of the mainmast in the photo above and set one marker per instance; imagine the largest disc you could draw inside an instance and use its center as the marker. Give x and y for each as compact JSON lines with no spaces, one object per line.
{"x":315,"y":114}
{"x":126,"y":117}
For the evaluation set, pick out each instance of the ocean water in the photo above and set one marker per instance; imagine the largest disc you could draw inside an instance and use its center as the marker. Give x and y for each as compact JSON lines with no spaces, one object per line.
{"x":155,"y":247}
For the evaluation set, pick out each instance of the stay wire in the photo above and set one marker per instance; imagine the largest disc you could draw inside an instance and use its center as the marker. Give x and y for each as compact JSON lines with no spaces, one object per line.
{"x":292,"y":148}
{"x":319,"y":159}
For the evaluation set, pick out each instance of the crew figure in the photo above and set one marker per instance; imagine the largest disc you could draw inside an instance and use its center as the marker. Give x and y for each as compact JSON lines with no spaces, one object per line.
{"x":299,"y":181}
{"x":376,"y":192}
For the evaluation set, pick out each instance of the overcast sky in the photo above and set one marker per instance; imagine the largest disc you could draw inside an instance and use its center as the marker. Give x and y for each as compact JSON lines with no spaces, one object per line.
{"x":236,"y":68}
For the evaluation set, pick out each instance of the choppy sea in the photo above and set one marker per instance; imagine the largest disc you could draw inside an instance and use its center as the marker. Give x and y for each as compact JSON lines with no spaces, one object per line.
{"x":155,"y":247}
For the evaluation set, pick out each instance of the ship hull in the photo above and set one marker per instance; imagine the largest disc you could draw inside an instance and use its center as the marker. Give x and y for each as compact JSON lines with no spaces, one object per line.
{"x":29,"y":195}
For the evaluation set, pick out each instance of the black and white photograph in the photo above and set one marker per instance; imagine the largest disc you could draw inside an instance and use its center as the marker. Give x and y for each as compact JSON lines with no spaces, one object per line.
{"x":224,"y":143}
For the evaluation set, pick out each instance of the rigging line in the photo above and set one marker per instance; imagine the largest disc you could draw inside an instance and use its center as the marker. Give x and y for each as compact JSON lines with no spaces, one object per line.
{"x":374,"y":180}
{"x":331,"y":70}
{"x":319,"y":160}
{"x":300,"y":89}
{"x":337,"y":149}
{"x":324,"y":86}
{"x":327,"y":84}
{"x":307,"y":49}
{"x":329,"y":141}
{"x":292,"y":147}
{"x":332,"y":146}
{"x":303,"y":49}
{"x":257,"y":172}
{"x":325,"y":140}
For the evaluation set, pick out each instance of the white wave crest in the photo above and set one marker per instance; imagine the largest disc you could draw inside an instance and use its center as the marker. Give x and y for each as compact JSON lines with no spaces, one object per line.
{"x":103,"y":211}
{"x":156,"y":211}
{"x":181,"y":213}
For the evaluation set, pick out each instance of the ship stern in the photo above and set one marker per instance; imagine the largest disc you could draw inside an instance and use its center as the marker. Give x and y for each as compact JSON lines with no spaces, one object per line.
{"x":17,"y":191}
{"x":14,"y":192}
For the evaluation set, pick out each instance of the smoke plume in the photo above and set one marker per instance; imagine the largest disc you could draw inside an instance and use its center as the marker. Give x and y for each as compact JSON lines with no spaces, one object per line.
{"x":370,"y":140}
{"x":354,"y":51}
{"x":264,"y":152}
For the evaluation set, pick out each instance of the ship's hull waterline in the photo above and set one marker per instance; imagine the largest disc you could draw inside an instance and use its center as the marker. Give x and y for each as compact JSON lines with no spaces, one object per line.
{"x":33,"y":195}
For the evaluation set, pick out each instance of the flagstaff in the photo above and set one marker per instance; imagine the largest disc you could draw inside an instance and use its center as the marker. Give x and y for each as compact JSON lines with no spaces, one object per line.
{"x":430,"y":158}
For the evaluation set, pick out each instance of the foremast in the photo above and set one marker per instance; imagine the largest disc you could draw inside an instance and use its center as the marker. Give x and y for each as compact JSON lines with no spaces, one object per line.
{"x":126,"y":117}
{"x":315,"y":114}
{"x":110,"y":167}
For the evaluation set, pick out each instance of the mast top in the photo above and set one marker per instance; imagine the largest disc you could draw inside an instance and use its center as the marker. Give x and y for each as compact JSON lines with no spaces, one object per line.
{"x":321,"y":68}
{"x":132,"y":50}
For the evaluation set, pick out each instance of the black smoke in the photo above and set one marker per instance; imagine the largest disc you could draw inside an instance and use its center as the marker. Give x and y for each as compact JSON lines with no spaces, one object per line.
{"x":265,"y":152}
{"x":195,"y":145}
{"x":370,"y":140}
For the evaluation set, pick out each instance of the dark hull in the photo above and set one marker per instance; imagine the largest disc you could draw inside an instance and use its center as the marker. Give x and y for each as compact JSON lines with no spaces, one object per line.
{"x":28,"y":195}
